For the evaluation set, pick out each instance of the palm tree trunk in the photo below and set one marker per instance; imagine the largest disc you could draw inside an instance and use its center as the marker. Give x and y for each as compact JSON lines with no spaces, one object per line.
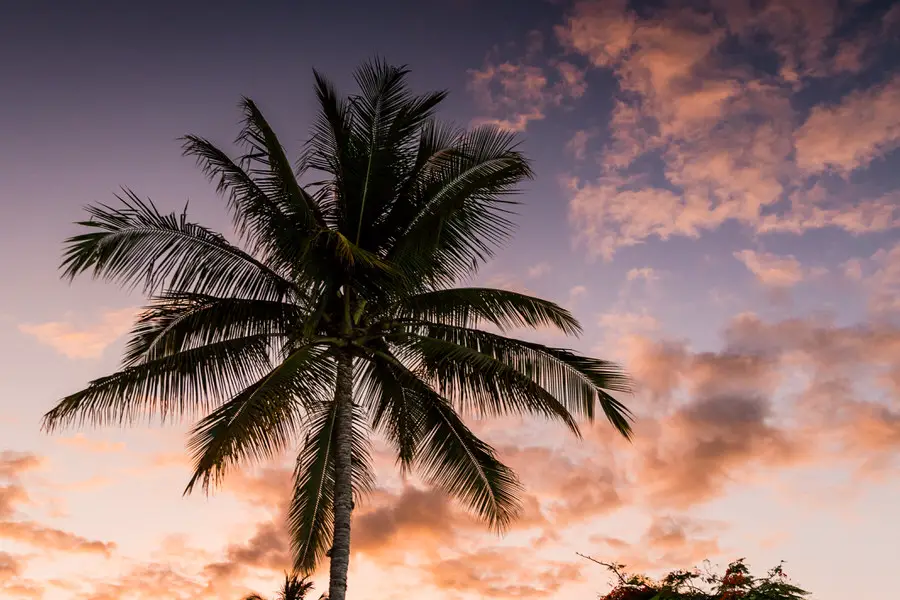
{"x":343,"y":480}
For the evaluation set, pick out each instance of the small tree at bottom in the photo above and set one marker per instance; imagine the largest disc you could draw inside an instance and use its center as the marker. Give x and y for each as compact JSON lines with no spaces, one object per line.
{"x":736,"y":583}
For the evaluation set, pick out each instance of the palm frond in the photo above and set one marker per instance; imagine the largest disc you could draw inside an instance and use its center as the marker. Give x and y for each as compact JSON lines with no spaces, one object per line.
{"x":180,"y":384}
{"x":310,"y":515}
{"x":436,"y":149}
{"x":387,"y":119}
{"x":470,"y":307}
{"x":453,"y":459}
{"x":331,"y":149}
{"x":272,"y":170}
{"x":173,"y":322}
{"x":482,"y":381}
{"x":266,"y":223}
{"x":580,"y":383}
{"x":135,"y":245}
{"x":461,"y":216}
{"x":262,"y":420}
{"x":392,"y":408}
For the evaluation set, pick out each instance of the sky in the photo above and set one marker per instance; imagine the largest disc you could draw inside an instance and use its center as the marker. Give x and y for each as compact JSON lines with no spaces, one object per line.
{"x":717,"y":200}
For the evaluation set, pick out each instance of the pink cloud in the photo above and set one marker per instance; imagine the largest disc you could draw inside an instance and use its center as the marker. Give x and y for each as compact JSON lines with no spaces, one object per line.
{"x":863,"y":126}
{"x":501,"y":573}
{"x":668,"y":543}
{"x":514,"y":94}
{"x":48,"y":538}
{"x":577,"y":146}
{"x":772,"y":270}
{"x":94,"y":446}
{"x":82,"y":341}
{"x":725,"y":131}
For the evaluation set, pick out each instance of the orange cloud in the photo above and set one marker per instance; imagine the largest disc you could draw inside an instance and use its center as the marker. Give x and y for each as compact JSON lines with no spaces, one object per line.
{"x":724,"y":131}
{"x":501,"y":573}
{"x":779,"y":394}
{"x":13,"y":463}
{"x":772,"y":270}
{"x":703,"y":447}
{"x":861,"y":127}
{"x":34,"y":534}
{"x":80,"y":442}
{"x":578,"y":144}
{"x":668,"y":543}
{"x":880,"y":277}
{"x":9,"y":566}
{"x":566,"y":490}
{"x":82,"y":341}
{"x":518,"y":93}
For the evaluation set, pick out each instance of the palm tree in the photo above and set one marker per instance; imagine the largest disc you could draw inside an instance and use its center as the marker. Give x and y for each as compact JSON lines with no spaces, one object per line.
{"x":338,"y":317}
{"x":295,"y":587}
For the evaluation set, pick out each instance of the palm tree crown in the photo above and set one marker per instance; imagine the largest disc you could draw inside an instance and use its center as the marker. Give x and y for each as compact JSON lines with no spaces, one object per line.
{"x":336,"y":316}
{"x":294,"y":587}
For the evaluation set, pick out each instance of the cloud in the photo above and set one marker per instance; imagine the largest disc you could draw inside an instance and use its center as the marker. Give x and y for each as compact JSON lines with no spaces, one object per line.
{"x":772,"y":270}
{"x":538,"y":270}
{"x":501,"y":573}
{"x":847,"y":136}
{"x":879,"y":275}
{"x":722,"y":127}
{"x":514,"y":94}
{"x":82,"y":341}
{"x":648,"y":274}
{"x":152,"y":580}
{"x":621,"y":324}
{"x":12,"y":496}
{"x":669,"y":542}
{"x":414,"y":521}
{"x":13,"y":464}
{"x":85,"y":444}
{"x":577,"y":145}
{"x":12,"y":493}
{"x":48,"y":538}
{"x":779,"y":394}
{"x":10,"y":566}
{"x":566,"y":490}
{"x":708,"y":444}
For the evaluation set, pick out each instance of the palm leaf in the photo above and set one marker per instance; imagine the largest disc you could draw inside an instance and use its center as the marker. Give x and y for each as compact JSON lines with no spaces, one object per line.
{"x":273,"y":171}
{"x":393,"y":409}
{"x":260,"y":422}
{"x":581,"y":383}
{"x":182,"y":383}
{"x":136,"y":245}
{"x":310,"y":515}
{"x":461,"y":216}
{"x":469,"y":307}
{"x":270,"y":227}
{"x":452,"y":458}
{"x":479,"y":380}
{"x":173,"y":322}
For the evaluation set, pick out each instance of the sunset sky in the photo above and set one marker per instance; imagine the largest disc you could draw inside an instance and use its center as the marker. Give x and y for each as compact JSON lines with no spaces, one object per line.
{"x":717,"y":200}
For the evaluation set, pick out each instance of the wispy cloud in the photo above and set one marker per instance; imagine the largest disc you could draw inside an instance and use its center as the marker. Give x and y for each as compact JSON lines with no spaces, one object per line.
{"x":513,"y":94}
{"x":80,"y":340}
{"x":847,"y":136}
{"x":96,"y":446}
{"x":771,"y":269}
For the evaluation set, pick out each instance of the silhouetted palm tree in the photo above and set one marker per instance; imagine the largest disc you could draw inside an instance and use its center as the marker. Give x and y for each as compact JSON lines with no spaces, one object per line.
{"x":338,"y":316}
{"x":294,"y":588}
